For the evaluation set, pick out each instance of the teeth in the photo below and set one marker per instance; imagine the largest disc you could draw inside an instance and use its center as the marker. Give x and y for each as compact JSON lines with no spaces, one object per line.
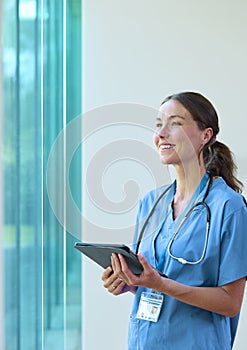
{"x":166,"y":147}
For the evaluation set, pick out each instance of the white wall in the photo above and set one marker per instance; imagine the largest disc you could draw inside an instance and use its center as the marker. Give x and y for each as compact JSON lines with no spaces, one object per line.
{"x":138,"y":52}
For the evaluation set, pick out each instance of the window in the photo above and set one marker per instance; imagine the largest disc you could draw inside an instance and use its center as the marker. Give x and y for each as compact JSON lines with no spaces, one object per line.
{"x":42,"y":93}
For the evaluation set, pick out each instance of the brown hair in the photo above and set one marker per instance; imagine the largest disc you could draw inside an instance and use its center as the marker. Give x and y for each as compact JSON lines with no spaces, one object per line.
{"x":218,"y":158}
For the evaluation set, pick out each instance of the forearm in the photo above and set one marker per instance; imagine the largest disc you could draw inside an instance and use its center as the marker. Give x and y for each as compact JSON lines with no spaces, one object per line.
{"x":220,"y":300}
{"x":225,"y":300}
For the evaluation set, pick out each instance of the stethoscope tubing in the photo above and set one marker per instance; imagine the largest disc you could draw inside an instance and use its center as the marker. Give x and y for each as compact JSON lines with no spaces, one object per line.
{"x":180,"y":259}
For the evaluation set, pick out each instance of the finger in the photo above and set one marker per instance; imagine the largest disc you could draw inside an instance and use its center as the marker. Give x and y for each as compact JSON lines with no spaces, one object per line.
{"x":107,"y":273}
{"x":115,"y":263}
{"x":117,"y":284}
{"x":109,"y":282}
{"x":116,"y":287}
{"x":144,"y":262}
{"x":117,"y":267}
{"x":108,"y":277}
{"x":126,"y":274}
{"x":124,"y":265}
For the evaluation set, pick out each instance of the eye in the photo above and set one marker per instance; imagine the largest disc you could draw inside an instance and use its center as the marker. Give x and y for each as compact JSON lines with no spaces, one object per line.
{"x":158,"y":125}
{"x":175,"y":123}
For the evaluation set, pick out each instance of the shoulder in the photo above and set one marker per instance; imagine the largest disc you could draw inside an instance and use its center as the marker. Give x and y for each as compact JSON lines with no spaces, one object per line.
{"x":224,"y":196}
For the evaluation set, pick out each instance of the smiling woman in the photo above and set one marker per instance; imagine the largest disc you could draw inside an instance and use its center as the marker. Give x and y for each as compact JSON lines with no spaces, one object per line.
{"x":192,"y":230}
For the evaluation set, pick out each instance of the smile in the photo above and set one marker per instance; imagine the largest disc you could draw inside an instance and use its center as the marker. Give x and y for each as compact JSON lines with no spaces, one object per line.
{"x":166,"y":147}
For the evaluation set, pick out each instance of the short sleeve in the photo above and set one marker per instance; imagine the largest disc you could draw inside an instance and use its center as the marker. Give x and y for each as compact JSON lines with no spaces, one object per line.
{"x":233,"y":259}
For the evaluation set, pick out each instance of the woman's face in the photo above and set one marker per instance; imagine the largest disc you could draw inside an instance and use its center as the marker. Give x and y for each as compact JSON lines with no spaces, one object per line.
{"x":177,"y":137}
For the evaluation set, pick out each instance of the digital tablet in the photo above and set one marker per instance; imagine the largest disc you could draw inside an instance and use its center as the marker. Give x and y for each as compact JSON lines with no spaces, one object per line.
{"x":101,"y":254}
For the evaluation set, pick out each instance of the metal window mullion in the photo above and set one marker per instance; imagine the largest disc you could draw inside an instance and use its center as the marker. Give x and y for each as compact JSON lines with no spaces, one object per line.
{"x":38,"y":178}
{"x":18,"y":182}
{"x":65,"y":168}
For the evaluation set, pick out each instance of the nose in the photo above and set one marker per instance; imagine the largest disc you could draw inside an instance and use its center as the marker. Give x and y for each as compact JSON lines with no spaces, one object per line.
{"x":160,"y":134}
{"x":163,"y":131}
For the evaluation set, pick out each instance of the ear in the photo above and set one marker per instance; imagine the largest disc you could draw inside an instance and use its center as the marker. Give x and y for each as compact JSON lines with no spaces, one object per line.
{"x":207,"y":135}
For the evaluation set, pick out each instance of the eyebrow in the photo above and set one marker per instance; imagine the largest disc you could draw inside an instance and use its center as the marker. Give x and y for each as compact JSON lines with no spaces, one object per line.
{"x":172,"y":116}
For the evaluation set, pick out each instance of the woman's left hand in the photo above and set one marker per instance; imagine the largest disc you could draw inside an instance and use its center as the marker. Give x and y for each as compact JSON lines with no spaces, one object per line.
{"x":149,"y":277}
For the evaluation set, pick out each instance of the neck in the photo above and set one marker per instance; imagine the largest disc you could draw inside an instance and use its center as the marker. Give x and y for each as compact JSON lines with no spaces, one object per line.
{"x":187,"y":182}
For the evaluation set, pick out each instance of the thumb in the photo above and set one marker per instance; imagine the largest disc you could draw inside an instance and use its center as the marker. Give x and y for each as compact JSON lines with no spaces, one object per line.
{"x":143,"y":260}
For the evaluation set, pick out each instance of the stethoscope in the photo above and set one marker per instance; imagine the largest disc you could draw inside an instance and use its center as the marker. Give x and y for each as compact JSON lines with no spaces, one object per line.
{"x":183,"y":221}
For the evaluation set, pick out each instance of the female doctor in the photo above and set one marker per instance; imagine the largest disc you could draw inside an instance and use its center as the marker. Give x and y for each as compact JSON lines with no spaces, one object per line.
{"x":193,"y":248}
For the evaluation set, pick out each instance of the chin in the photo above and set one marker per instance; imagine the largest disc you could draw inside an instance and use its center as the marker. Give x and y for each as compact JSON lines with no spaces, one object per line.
{"x":166,"y":161}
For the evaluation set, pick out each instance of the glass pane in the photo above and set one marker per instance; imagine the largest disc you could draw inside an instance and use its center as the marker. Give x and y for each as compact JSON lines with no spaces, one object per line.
{"x":42,"y":269}
{"x":22,"y":178}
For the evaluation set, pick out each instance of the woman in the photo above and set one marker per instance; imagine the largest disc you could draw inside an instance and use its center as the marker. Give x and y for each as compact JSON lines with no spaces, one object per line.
{"x":200,"y":247}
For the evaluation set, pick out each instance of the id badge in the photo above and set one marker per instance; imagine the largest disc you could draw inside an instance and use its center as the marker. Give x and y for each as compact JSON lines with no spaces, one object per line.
{"x":150,"y":306}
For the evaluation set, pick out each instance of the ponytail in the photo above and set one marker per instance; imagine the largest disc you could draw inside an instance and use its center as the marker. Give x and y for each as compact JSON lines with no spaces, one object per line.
{"x":217,"y":156}
{"x":219,"y":161}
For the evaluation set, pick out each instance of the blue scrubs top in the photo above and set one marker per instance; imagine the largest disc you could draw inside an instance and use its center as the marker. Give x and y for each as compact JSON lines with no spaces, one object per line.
{"x":182,"y":326}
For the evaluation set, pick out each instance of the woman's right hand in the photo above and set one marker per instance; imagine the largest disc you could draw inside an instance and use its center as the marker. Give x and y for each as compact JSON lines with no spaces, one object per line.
{"x":113,"y":284}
